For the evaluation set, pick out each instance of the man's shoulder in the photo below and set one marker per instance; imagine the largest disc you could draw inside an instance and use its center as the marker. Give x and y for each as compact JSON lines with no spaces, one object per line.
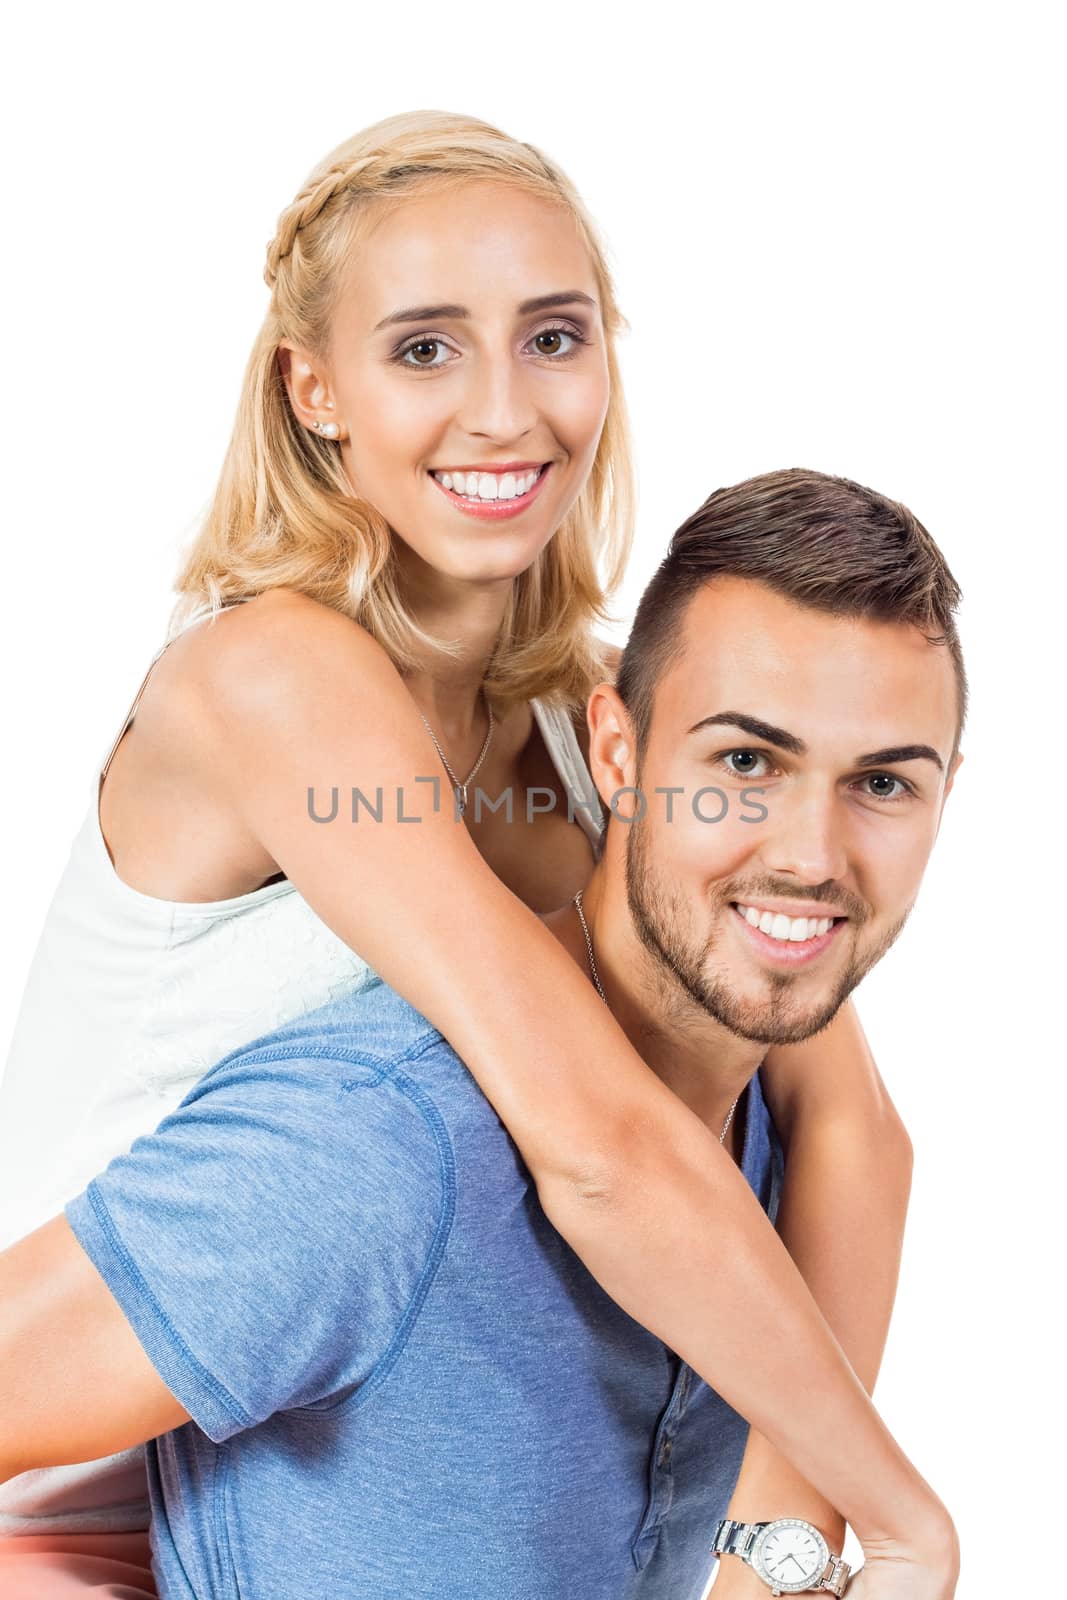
{"x":306,"y":1183}
{"x":369,"y":1038}
{"x":346,"y":1096}
{"x":371,"y":1024}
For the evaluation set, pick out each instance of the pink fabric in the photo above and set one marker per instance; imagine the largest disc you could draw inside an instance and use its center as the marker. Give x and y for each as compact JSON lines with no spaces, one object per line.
{"x":96,"y":1566}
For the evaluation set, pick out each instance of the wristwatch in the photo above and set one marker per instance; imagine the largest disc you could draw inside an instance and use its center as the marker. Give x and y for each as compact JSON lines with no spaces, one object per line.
{"x":789,"y":1554}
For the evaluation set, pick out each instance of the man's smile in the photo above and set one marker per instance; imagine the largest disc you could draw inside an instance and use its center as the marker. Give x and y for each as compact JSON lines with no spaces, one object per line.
{"x":785,"y":941}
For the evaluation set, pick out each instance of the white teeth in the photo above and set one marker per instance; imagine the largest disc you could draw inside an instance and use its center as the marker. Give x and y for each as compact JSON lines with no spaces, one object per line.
{"x":486,"y":485}
{"x":792,"y":930}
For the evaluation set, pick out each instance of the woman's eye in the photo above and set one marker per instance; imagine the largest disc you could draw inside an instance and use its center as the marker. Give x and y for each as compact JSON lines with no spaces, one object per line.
{"x":882,"y":786}
{"x":559,"y":344}
{"x":744,"y":763}
{"x":550,"y":342}
{"x":423,"y":353}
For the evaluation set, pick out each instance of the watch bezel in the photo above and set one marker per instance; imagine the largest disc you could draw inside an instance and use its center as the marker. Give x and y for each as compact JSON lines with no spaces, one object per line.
{"x":756,"y":1558}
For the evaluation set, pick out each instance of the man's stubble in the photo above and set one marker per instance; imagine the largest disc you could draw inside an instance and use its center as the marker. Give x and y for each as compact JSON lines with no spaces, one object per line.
{"x":660,"y":921}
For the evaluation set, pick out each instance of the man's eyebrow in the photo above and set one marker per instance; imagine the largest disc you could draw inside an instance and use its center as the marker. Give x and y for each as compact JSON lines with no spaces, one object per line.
{"x":759,"y":730}
{"x":541,"y":302}
{"x":796,"y":746}
{"x":902,"y":752}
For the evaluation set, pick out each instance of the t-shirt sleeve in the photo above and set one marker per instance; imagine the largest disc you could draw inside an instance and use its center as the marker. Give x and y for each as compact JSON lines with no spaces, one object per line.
{"x":272,"y":1241}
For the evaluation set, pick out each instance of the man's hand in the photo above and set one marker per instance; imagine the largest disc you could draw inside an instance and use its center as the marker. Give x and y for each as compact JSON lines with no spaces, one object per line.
{"x":75,"y":1383}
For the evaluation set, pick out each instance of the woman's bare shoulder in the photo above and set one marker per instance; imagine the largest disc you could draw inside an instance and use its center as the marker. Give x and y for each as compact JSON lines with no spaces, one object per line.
{"x":273,"y":628}
{"x":279,"y":643}
{"x":258,"y":668}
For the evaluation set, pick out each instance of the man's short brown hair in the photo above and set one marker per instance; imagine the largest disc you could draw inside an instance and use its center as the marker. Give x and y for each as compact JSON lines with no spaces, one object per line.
{"x":824,"y":542}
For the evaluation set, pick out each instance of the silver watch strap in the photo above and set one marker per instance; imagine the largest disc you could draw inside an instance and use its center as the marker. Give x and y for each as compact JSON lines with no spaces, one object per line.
{"x":836,"y":1576}
{"x":738,"y":1538}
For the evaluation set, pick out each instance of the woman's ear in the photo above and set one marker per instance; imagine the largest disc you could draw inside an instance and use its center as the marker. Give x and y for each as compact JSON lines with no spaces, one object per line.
{"x":309,"y":391}
{"x":612,"y":746}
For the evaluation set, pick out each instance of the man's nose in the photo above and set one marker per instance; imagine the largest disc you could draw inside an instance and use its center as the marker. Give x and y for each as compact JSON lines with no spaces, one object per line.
{"x":806,"y":836}
{"x":498,"y":403}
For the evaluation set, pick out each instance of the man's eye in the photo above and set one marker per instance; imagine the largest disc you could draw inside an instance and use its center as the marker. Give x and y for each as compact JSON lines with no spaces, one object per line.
{"x":882,"y":786}
{"x":744,"y":763}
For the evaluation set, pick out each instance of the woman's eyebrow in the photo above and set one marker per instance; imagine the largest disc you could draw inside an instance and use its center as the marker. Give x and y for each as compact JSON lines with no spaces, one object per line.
{"x":566,"y":297}
{"x":422,"y":314}
{"x":541,"y":302}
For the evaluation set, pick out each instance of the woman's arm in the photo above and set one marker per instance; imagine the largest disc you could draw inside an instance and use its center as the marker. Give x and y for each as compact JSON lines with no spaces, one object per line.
{"x":75,"y":1383}
{"x":841,"y":1215}
{"x":286,"y":694}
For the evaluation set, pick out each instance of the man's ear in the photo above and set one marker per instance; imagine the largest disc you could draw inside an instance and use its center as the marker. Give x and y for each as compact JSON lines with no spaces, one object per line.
{"x":310,"y":394}
{"x":612,"y":745}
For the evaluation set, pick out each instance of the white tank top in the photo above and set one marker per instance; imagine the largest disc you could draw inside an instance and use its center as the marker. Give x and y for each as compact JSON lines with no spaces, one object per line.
{"x":129,"y":1001}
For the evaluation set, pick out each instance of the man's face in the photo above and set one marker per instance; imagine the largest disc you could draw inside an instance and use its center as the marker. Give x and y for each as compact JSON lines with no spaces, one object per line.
{"x":846,"y":728}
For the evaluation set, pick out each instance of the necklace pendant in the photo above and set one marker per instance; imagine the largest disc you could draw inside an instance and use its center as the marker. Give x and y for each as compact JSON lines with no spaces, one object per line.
{"x":461,"y":799}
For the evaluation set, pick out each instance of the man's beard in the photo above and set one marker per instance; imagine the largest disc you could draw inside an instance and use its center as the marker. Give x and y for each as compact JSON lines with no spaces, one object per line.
{"x":660,"y":920}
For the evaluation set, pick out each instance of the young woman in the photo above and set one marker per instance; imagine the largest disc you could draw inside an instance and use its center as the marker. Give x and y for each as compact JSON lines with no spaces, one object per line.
{"x":397,"y":581}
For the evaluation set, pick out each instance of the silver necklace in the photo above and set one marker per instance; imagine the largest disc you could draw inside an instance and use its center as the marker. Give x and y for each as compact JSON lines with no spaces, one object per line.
{"x":600,"y":991}
{"x":461,"y":788}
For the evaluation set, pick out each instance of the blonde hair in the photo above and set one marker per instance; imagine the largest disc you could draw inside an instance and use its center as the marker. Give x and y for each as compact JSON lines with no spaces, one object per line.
{"x":284,"y":512}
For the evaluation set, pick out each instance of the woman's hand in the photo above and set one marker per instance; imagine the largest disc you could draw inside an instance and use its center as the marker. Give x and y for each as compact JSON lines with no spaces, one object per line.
{"x":896,"y":1571}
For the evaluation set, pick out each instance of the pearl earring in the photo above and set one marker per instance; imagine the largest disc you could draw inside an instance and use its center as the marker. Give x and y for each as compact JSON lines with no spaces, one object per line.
{"x":329,"y":430}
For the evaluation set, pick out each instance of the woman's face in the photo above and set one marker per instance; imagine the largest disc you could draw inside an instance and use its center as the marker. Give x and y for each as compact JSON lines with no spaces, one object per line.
{"x":467,"y":372}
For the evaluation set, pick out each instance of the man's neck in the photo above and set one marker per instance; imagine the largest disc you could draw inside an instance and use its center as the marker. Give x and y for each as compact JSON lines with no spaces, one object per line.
{"x":705,"y":1064}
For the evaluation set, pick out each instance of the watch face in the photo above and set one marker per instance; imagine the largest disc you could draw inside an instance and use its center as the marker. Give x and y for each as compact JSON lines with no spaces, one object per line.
{"x":790,"y":1555}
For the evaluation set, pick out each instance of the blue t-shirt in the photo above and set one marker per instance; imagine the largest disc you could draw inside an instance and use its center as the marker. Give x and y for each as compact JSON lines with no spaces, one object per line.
{"x":404,"y":1383}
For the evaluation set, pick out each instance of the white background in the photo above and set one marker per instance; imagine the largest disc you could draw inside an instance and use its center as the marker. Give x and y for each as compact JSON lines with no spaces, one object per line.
{"x":834,"y":235}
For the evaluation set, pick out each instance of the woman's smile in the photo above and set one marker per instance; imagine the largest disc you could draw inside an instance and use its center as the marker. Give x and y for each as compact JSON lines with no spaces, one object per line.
{"x":492,"y":495}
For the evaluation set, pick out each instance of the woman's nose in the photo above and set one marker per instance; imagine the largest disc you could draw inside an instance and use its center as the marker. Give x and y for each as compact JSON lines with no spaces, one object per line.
{"x":498,"y":403}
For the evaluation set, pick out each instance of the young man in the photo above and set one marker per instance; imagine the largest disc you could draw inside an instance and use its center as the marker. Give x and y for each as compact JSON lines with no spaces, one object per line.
{"x":401,"y":1381}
